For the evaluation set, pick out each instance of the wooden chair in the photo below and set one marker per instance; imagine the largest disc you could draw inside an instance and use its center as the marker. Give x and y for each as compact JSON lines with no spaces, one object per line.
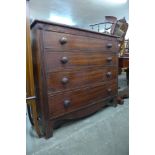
{"x":30,"y":91}
{"x":117,"y":27}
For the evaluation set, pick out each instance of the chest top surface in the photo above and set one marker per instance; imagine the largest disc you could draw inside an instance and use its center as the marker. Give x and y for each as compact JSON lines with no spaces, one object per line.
{"x":41,"y":24}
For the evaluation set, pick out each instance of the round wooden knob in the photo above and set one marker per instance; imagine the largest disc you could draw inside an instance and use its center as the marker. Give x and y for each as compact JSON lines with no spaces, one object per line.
{"x":109,"y":45}
{"x":64,"y":80}
{"x":109,"y":59}
{"x":63,"y":40}
{"x":109,"y":90}
{"x":66,"y":103}
{"x":109,"y":74}
{"x":64,"y":60}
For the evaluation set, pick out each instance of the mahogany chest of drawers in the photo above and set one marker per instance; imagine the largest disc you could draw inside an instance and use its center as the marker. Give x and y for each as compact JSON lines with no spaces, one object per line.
{"x":75,"y":72}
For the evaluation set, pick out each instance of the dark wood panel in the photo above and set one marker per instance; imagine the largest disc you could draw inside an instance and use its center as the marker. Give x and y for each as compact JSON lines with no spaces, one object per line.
{"x":80,"y":59}
{"x":40,"y":78}
{"x":63,"y":80}
{"x":62,"y":41}
{"x":65,"y":102}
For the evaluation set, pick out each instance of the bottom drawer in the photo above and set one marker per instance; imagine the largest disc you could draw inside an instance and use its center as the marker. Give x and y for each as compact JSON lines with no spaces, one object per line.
{"x":65,"y":102}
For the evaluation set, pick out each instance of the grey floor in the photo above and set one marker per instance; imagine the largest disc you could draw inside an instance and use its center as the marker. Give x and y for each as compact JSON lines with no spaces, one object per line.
{"x":104,"y":133}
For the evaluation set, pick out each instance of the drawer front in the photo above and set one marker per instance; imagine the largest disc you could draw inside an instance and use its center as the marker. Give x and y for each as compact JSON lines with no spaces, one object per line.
{"x":63,"y":41}
{"x":61,"y":60}
{"x":65,"y":102}
{"x":57,"y":81}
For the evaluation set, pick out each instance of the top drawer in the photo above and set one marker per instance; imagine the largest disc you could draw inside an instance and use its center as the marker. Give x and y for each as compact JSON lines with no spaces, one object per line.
{"x":63,"y":41}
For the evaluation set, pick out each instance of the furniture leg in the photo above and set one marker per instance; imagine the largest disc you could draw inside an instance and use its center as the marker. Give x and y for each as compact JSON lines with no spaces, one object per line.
{"x":49,"y":130}
{"x":120,"y":100}
{"x":34,"y":117}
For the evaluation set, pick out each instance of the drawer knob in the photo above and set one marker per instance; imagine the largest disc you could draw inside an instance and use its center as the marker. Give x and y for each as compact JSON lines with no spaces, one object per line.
{"x":64,"y":60}
{"x":109,"y":45}
{"x":109,"y":59}
{"x":64,"y":80}
{"x":66,"y":103}
{"x":109,"y":74}
{"x":63,"y":40}
{"x":109,"y":90}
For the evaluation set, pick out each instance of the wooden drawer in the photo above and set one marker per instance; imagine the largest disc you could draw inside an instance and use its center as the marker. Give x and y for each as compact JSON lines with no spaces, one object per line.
{"x":65,"y":102}
{"x":68,"y":79}
{"x":54,"y":60}
{"x":63,"y":41}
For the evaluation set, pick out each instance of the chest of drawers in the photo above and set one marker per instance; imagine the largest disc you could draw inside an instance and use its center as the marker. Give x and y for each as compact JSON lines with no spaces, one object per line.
{"x":75,"y":72}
